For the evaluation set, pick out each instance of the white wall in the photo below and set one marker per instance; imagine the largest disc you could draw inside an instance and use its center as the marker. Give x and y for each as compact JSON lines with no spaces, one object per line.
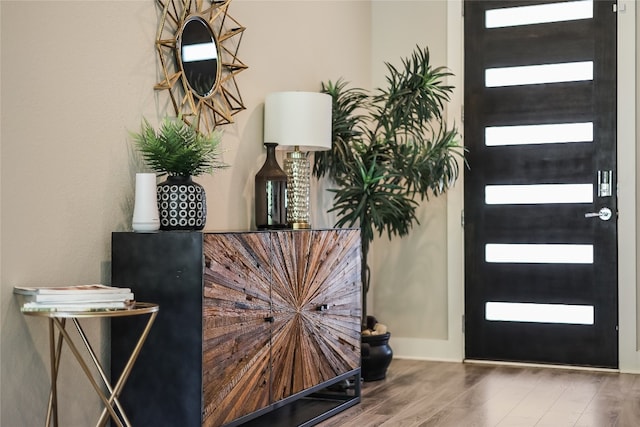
{"x":75,"y":77}
{"x":410,"y":275}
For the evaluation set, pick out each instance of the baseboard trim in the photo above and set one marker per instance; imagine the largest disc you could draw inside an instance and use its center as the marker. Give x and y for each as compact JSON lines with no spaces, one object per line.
{"x":539,"y":365}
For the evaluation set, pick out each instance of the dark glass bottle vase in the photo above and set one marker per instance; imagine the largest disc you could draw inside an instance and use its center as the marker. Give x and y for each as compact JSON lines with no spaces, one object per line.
{"x":182,"y":204}
{"x":271,"y":193}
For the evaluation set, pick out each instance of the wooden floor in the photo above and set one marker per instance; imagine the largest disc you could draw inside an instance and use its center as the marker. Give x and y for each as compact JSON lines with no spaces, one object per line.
{"x":419,"y":393}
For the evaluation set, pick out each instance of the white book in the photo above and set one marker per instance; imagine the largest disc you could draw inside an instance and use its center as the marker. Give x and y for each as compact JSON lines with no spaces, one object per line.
{"x":75,"y":306}
{"x":84,"y":297}
{"x":69,"y":290}
{"x":86,"y":294}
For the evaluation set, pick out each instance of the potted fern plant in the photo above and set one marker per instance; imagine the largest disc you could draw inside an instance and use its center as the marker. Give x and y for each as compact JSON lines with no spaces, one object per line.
{"x":391,"y":150}
{"x":180,"y":152}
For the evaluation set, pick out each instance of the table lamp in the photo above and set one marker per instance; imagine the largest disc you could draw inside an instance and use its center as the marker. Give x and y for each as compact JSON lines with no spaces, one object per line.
{"x":299,"y":122}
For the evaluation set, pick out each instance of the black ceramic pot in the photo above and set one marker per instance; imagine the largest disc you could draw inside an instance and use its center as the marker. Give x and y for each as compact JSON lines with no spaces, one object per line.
{"x":182,"y":204}
{"x":376,"y":356}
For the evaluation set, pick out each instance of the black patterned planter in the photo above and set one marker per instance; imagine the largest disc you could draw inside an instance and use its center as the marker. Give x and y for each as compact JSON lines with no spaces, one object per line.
{"x":182,"y":204}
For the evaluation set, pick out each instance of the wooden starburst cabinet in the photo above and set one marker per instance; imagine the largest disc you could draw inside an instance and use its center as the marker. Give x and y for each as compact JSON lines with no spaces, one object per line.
{"x":255,"y":328}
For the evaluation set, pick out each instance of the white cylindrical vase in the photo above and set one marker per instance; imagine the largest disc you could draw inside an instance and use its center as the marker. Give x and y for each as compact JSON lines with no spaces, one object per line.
{"x":145,"y":210}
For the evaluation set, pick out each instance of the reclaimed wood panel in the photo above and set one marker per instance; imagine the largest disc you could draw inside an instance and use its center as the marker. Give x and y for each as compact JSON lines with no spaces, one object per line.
{"x":308,"y":284}
{"x":235,"y":334}
{"x":316,"y":304}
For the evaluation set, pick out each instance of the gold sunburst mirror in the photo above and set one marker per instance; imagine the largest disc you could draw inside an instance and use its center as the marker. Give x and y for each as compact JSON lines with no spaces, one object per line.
{"x":197,"y":43}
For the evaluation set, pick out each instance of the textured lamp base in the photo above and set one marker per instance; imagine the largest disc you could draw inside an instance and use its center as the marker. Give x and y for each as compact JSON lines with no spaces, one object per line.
{"x":297,"y":168}
{"x":300,"y":225}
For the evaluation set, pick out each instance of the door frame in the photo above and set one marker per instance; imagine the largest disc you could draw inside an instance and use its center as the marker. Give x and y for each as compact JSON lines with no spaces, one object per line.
{"x":589,"y":284}
{"x":628,"y":292}
{"x":628,"y":298}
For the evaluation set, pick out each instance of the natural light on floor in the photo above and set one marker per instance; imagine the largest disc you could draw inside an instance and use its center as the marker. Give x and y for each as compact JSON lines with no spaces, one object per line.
{"x":539,"y":313}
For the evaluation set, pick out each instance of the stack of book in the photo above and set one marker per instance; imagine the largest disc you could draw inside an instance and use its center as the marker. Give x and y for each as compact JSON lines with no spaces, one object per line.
{"x":74,"y":298}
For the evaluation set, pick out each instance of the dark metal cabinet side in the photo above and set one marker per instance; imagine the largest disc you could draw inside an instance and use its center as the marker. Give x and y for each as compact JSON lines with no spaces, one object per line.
{"x":165,"y":386}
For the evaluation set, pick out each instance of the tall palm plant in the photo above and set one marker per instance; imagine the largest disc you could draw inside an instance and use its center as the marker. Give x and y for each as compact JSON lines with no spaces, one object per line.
{"x":391,"y":149}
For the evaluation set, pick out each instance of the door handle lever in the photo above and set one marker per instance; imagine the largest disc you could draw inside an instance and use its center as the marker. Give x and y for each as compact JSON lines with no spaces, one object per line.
{"x":604,"y":214}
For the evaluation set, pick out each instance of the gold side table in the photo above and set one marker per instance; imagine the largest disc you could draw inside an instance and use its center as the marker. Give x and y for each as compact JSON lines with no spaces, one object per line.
{"x":57,"y":320}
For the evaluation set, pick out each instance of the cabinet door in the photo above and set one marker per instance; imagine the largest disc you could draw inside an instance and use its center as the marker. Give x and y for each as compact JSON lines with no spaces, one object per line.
{"x":235,"y":333}
{"x":316,"y":306}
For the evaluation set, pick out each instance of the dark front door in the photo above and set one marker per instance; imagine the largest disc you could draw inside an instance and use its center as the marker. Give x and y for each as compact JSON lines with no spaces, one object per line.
{"x":540,"y":194}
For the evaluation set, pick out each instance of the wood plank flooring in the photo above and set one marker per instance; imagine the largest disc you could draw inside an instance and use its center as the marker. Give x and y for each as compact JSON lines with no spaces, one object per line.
{"x":425,"y":394}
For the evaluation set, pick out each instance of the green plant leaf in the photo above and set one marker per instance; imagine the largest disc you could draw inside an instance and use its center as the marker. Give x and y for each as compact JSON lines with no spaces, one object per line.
{"x":391,"y":149}
{"x":177,"y":148}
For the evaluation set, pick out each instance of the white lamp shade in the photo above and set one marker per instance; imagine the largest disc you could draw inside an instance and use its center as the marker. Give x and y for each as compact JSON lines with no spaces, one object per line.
{"x":300,"y":119}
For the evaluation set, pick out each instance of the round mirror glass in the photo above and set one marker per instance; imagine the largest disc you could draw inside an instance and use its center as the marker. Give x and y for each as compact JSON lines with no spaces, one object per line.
{"x":198,"y":56}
